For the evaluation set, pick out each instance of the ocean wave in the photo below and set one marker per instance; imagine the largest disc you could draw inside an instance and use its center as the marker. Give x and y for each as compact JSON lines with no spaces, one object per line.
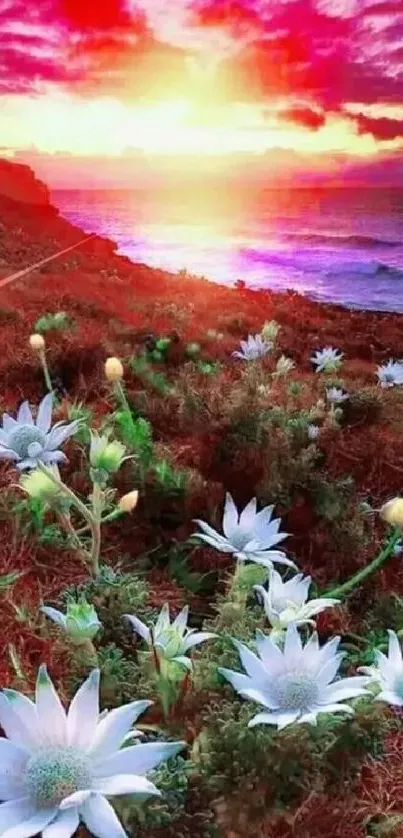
{"x":371,"y":268}
{"x":352,"y":240}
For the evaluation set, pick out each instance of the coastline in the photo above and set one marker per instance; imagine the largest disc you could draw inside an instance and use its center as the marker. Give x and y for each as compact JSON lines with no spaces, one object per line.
{"x":95,"y":273}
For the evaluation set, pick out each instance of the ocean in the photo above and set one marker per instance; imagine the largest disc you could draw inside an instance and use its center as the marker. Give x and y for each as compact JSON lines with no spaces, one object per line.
{"x":336,"y":245}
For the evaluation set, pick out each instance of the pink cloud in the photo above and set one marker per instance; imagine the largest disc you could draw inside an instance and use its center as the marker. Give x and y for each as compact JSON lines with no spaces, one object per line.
{"x":321,"y":52}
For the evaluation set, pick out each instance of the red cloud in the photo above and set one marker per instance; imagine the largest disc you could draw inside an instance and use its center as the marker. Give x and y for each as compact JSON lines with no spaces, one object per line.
{"x":288,"y":49}
{"x":306,"y":117}
{"x":380,"y":128}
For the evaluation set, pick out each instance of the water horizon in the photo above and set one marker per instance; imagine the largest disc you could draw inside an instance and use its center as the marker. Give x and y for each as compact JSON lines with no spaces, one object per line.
{"x":336,"y":244}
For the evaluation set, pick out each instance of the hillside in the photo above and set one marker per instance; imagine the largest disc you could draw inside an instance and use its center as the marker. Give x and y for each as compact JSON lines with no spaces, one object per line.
{"x":210,"y":424}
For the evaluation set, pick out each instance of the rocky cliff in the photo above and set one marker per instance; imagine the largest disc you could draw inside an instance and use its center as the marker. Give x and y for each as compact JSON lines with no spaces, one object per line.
{"x":18,"y":181}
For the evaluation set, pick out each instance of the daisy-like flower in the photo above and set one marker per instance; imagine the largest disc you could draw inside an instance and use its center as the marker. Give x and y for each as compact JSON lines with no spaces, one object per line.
{"x":173,"y":640}
{"x":336,"y":396}
{"x":313,"y":432}
{"x":295,"y":683}
{"x":28,"y":442}
{"x":58,"y":768}
{"x":387,"y":673}
{"x":80,"y":622}
{"x":327,"y":359}
{"x":253,"y":348}
{"x":390,"y":374}
{"x":250,"y":536}
{"x":287,"y":602}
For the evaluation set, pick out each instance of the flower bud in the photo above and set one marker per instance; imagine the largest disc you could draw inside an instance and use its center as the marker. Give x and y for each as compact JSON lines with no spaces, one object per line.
{"x":82,"y":621}
{"x":113,"y":369}
{"x":37,"y":342}
{"x":392,"y":512}
{"x":129,"y":501}
{"x":106,"y":456}
{"x":39,"y":486}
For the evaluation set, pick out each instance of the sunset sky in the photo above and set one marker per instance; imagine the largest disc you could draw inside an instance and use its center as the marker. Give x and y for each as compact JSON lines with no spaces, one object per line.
{"x":201,"y":78}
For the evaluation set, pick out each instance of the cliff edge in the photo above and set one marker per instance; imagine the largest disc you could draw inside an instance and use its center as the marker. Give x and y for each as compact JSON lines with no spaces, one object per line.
{"x":18,"y":182}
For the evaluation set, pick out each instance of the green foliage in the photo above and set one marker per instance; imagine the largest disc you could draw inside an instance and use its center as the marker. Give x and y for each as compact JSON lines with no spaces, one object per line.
{"x":277,"y":768}
{"x":209,"y":367}
{"x":80,"y":411}
{"x":53,"y":322}
{"x":138,"y":436}
{"x":141,"y":367}
{"x":168,"y":479}
{"x":178,"y":558}
{"x":172,"y":779}
{"x":112,"y":594}
{"x":233,"y":620}
{"x":8,"y":579}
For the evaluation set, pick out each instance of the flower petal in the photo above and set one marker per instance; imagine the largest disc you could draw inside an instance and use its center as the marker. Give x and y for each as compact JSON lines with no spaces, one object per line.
{"x":13,"y":760}
{"x":138,"y":759}
{"x":24,"y":415}
{"x":231,"y":517}
{"x":139,"y":627}
{"x":53,"y":457}
{"x":260,"y":697}
{"x":83,"y":714}
{"x":163,"y":620}
{"x":8,"y":454}
{"x":15,"y":812}
{"x":76,"y":799}
{"x":113,"y":728}
{"x":44,"y":415}
{"x":31,"y":826}
{"x":236,"y":679}
{"x":125,"y":784}
{"x":101,"y":819}
{"x":55,"y":615}
{"x":51,"y":714}
{"x":198,"y":637}
{"x":217,"y":541}
{"x":252,"y":665}
{"x":21,"y":727}
{"x":59,"y":435}
{"x":9,"y":424}
{"x":292,"y":644}
{"x":247,"y":516}
{"x":180,"y":622}
{"x":394,"y":652}
{"x":276,"y":718}
{"x":64,"y":826}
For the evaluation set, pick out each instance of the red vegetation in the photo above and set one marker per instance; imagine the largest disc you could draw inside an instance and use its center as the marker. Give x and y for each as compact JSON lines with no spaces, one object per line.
{"x":114,"y":304}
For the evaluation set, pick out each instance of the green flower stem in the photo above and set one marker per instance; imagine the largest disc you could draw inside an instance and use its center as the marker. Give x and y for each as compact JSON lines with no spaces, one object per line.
{"x":112,"y":516}
{"x":46,"y":373}
{"x":65,"y":520}
{"x":97,"y":501}
{"x":121,"y":396}
{"x":86,"y":513}
{"x":362,"y":574}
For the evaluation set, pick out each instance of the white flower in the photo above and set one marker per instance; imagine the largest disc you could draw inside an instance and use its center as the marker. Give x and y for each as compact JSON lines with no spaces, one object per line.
{"x":294,"y":684}
{"x":388,"y":672}
{"x":336,"y":396}
{"x":390,"y":374}
{"x":249,"y":535}
{"x":287,"y":602}
{"x":80,"y":622}
{"x":30,"y":442}
{"x":171,"y":640}
{"x":313,"y":431}
{"x":58,"y":768}
{"x":327,"y":359}
{"x":252,"y":348}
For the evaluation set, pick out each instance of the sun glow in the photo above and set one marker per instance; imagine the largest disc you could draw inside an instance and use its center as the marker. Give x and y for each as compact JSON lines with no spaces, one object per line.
{"x":177,"y":126}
